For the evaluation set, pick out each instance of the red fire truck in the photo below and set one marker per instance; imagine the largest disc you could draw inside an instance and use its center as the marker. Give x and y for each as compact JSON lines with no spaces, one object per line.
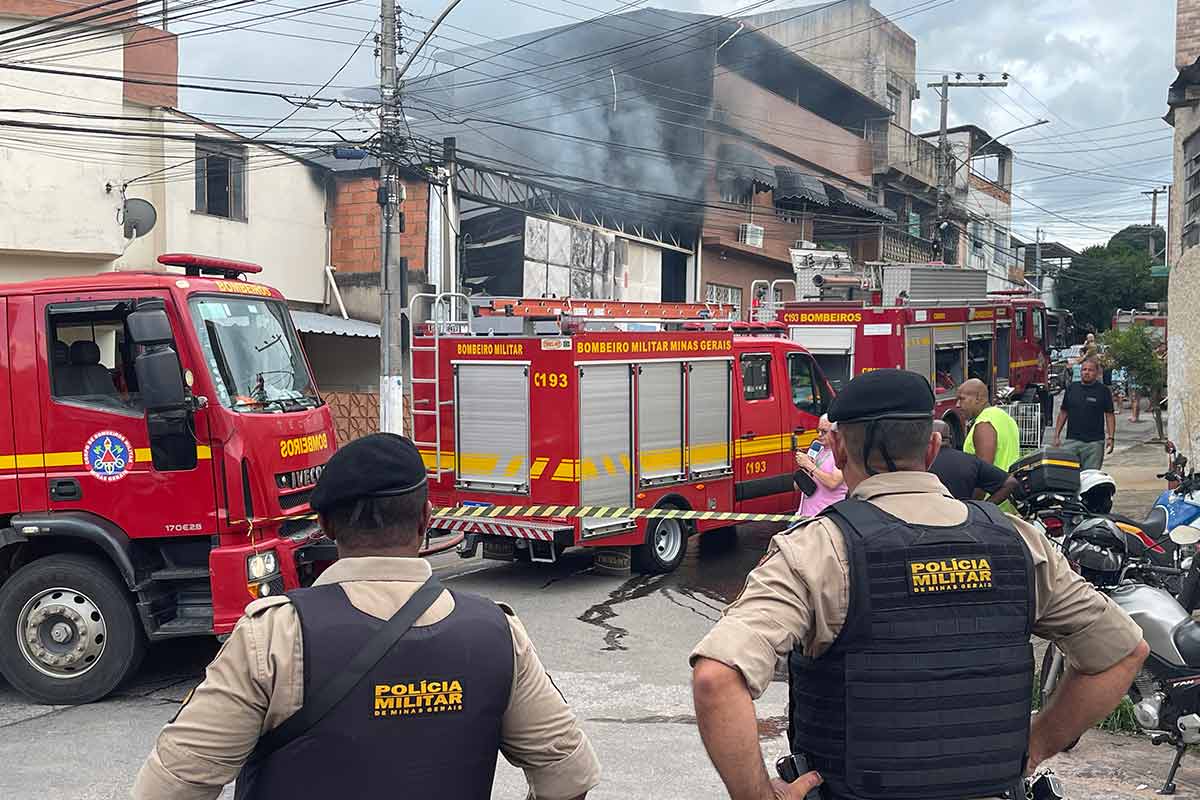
{"x":613,"y":406}
{"x":1153,"y":316}
{"x":146,"y":417}
{"x":936,"y":320}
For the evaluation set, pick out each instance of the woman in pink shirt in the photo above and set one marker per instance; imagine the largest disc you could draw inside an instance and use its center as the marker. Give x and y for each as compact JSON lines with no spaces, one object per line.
{"x":818,"y":463}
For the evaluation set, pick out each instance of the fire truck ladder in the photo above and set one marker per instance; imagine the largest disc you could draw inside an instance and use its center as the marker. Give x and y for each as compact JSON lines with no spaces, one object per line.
{"x":444,"y":319}
{"x":582,"y":311}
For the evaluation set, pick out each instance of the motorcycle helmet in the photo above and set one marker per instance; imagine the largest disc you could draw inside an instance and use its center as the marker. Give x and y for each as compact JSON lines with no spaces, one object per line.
{"x":1096,"y":548}
{"x":1096,"y":490}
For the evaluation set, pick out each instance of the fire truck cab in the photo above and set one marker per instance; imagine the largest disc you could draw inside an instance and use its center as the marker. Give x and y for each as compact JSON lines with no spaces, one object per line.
{"x":146,"y":419}
{"x":610,"y":406}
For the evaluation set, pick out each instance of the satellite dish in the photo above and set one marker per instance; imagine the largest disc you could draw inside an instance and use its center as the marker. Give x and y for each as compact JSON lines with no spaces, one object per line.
{"x":139,"y":217}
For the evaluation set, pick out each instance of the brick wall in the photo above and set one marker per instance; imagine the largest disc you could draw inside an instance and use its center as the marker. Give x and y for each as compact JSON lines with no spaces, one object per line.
{"x":1187,"y":33}
{"x":355,"y":222}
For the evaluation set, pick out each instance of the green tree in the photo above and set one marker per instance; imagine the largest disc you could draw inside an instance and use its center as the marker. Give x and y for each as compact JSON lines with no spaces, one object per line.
{"x":1107,"y":277}
{"x":1134,"y":350}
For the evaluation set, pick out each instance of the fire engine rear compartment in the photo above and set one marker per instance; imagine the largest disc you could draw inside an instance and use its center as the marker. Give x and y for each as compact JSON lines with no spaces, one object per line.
{"x":589,"y":420}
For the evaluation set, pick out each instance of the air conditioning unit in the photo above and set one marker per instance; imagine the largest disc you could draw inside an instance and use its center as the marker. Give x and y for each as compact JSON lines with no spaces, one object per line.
{"x":801,"y":244}
{"x":750,"y":234}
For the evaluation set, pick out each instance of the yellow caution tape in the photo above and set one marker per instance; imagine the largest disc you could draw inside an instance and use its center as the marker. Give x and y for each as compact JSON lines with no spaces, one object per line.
{"x":577,"y":512}
{"x":572,"y":512}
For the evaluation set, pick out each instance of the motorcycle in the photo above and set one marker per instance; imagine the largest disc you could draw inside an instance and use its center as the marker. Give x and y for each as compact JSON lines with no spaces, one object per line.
{"x":1166,"y":692}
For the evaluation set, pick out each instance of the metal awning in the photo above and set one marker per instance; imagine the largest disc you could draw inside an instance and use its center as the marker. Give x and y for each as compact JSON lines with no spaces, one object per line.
{"x":795,"y":185}
{"x":312,"y":322}
{"x":839,"y":195}
{"x":741,"y":164}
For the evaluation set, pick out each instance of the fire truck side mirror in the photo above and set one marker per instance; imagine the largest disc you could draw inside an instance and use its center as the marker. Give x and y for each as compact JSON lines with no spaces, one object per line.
{"x":160,"y":379}
{"x":150,"y":327}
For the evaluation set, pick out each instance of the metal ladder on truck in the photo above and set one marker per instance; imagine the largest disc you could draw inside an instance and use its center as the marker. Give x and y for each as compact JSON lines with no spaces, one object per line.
{"x":443,"y":320}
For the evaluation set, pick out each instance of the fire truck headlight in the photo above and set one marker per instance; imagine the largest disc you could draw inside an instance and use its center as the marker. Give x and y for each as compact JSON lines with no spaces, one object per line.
{"x":260,"y":565}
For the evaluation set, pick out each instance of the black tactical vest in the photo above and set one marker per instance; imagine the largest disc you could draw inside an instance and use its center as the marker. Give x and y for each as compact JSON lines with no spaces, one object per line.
{"x":424,"y":723}
{"x":926,"y":692}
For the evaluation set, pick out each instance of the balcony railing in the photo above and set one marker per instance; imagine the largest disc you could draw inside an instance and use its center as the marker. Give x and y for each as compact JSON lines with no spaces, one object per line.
{"x":904,"y":248}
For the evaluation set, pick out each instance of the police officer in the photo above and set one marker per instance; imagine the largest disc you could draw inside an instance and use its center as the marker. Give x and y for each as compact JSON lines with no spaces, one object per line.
{"x":906,"y":616}
{"x":448,"y":679}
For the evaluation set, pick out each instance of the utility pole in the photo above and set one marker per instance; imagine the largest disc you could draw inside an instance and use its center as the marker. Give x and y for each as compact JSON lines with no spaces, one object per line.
{"x":1037,"y":261}
{"x":1154,"y":193}
{"x":945,"y":158}
{"x":392,"y":271}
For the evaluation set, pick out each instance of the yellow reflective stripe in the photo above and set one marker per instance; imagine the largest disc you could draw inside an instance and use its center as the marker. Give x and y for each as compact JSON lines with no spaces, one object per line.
{"x":1054,"y":462}
{"x":74,"y":458}
{"x":514,"y":466}
{"x":539,"y":466}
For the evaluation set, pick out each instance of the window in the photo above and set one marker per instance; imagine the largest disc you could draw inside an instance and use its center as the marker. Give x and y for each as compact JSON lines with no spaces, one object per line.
{"x":836,"y":367}
{"x":91,"y":359}
{"x":979,"y":360}
{"x":1020,"y":326}
{"x":220,"y":179}
{"x":1191,"y":191}
{"x":1002,"y":254}
{"x":756,"y":376}
{"x":1039,"y":326}
{"x":785,"y":213}
{"x":893,"y":101}
{"x":726,"y":295}
{"x":807,"y":392}
{"x":735,"y":194}
{"x":252,"y":352}
{"x":977,"y":237}
{"x":948,"y":368}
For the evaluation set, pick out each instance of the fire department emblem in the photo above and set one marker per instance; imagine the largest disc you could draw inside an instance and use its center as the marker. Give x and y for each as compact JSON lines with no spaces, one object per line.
{"x":108,"y":455}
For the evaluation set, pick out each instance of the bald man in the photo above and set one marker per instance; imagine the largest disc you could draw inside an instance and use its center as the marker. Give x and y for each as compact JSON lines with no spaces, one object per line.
{"x":993,"y":435}
{"x":969,"y":477}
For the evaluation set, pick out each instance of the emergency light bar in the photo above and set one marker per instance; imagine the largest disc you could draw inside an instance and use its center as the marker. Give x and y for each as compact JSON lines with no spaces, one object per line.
{"x":197,"y":265}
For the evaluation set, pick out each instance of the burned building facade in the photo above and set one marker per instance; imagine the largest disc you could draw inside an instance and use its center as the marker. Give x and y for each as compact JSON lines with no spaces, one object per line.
{"x":695,"y":155}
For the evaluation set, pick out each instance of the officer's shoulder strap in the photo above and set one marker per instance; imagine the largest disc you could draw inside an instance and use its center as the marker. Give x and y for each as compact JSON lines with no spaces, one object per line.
{"x":989,"y":511}
{"x":508,"y":610}
{"x":263,"y":603}
{"x":857,"y":515}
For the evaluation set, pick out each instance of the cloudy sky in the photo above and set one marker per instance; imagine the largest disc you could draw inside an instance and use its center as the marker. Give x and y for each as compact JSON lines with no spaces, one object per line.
{"x":1098,"y":70}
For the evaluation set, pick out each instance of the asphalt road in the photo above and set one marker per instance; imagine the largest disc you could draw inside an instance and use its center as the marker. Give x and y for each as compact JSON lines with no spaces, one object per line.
{"x":616,"y":647}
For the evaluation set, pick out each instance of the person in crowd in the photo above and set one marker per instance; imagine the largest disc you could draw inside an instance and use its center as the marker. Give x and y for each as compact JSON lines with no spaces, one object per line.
{"x":818,"y":464}
{"x":993,"y":435}
{"x":869,"y":602}
{"x":377,"y":681}
{"x":1088,"y":415}
{"x":969,"y":477}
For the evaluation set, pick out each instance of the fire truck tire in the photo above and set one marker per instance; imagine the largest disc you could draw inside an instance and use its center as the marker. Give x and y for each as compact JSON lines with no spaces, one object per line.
{"x":70,"y":631}
{"x":665,"y":547}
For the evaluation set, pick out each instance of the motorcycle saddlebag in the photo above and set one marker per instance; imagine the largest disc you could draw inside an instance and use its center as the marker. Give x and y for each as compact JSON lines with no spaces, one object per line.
{"x":1050,"y":470}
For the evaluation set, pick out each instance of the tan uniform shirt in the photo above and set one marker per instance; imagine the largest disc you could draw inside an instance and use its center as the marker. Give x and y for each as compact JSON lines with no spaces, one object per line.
{"x":257,"y":681}
{"x":798,"y":594}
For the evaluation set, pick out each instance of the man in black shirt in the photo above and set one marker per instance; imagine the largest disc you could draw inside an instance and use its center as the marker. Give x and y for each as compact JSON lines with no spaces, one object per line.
{"x":965,"y":475}
{"x":1087,"y":413}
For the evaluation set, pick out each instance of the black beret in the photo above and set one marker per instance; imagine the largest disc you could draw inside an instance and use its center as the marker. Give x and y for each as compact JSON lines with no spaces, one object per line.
{"x":884,"y":394}
{"x":378,"y":465}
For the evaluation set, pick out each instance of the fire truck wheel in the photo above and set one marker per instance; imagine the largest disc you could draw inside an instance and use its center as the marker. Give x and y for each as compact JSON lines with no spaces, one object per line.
{"x":77,"y":635}
{"x":665,"y":547}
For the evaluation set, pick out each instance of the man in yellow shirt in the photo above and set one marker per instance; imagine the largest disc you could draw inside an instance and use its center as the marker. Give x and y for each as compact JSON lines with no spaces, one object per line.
{"x":994,"y":437}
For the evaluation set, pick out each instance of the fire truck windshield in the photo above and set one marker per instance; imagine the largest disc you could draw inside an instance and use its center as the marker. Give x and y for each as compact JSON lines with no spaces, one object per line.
{"x":253,"y":354}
